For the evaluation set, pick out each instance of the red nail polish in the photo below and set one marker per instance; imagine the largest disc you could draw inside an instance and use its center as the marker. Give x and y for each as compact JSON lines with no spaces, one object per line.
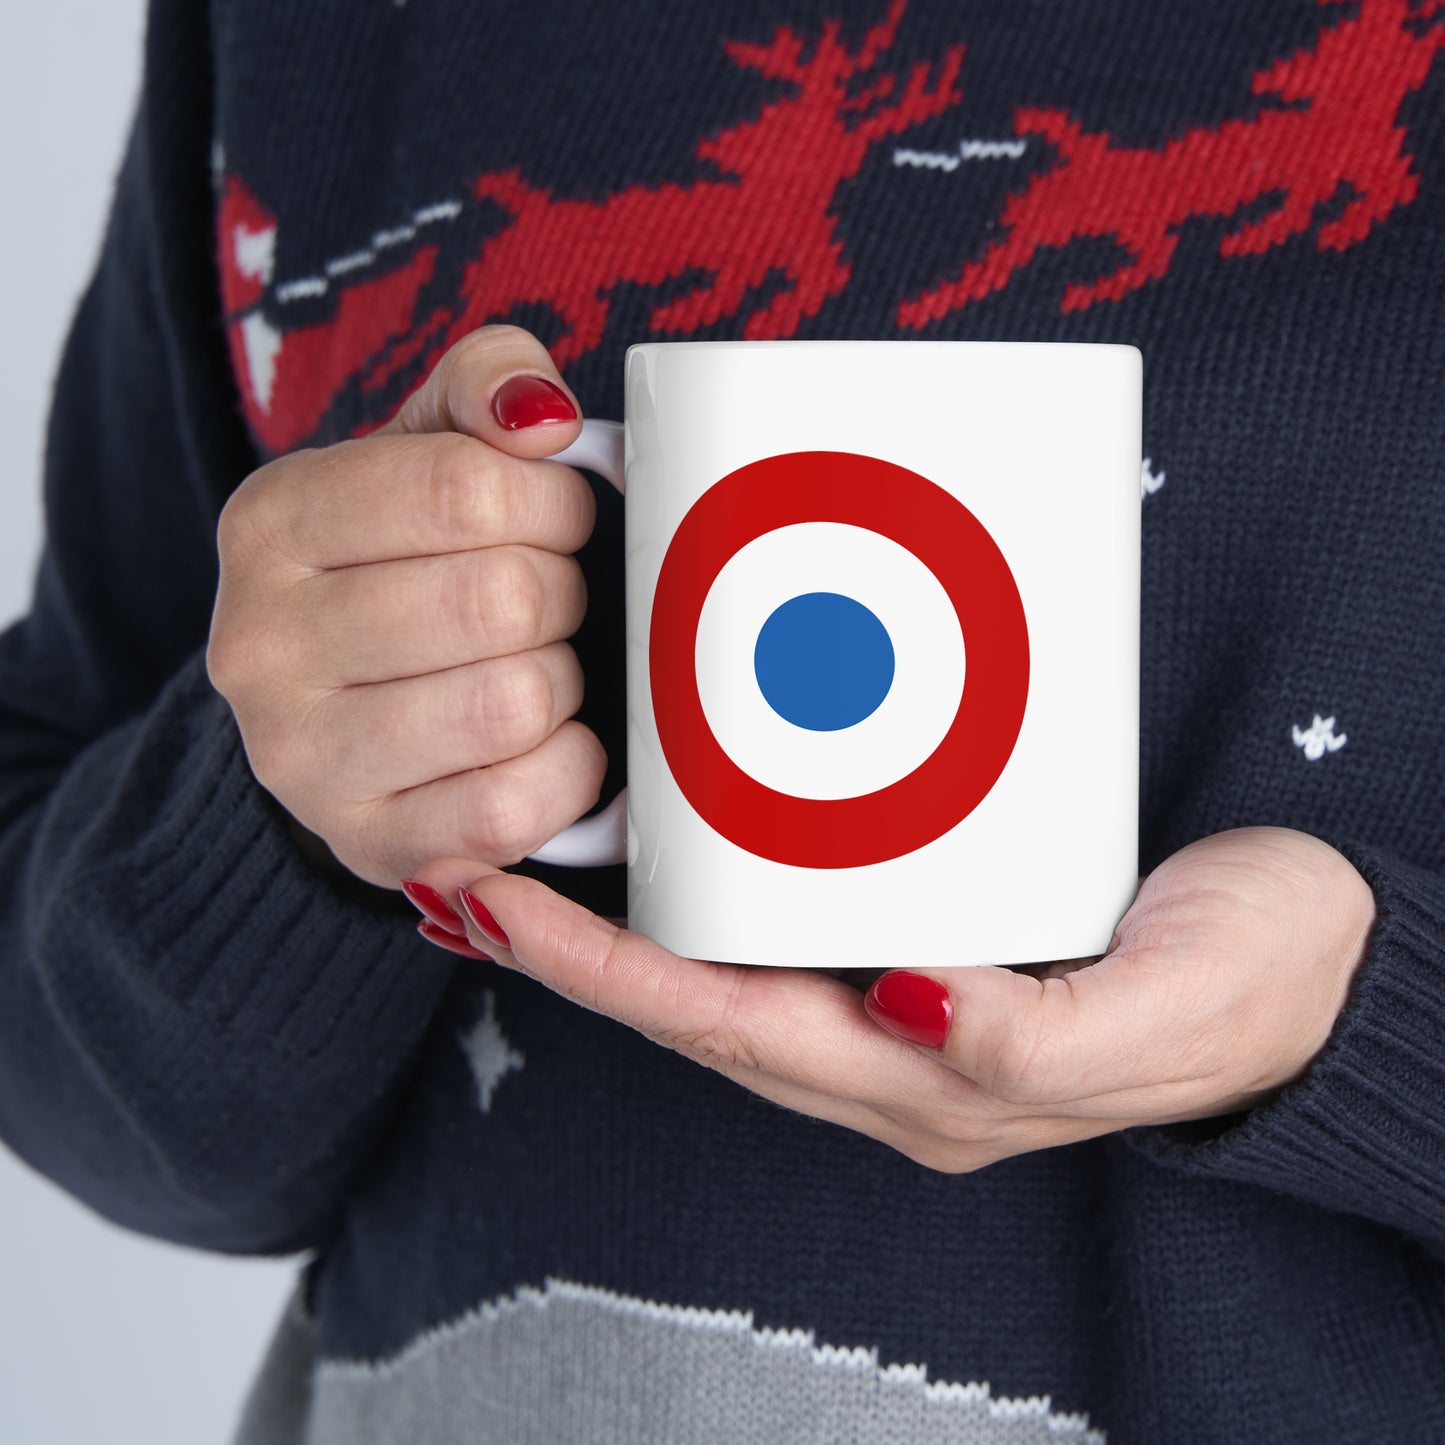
{"x":481,"y":915}
{"x":914,"y":1008}
{"x":449,"y":941}
{"x":434,"y":906}
{"x":523,"y":401}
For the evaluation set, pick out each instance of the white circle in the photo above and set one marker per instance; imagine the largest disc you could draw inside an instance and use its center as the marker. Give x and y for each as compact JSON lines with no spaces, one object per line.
{"x":928,"y":654}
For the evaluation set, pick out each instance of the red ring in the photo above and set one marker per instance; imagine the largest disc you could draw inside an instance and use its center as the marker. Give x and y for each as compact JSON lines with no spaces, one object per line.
{"x":955,"y":546}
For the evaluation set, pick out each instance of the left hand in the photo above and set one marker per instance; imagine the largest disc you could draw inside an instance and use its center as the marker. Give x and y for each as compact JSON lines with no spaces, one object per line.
{"x":1222,"y":982}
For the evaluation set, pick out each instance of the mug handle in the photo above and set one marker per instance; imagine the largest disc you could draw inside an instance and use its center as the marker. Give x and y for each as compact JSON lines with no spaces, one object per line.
{"x":602,"y":838}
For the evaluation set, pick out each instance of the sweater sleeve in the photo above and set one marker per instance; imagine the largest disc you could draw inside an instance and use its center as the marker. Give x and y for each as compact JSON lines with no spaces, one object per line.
{"x":1363,"y":1131}
{"x":200,"y":1037}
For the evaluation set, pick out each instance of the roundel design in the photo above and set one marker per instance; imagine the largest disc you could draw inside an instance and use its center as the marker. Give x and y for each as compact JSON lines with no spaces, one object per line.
{"x":823,"y":660}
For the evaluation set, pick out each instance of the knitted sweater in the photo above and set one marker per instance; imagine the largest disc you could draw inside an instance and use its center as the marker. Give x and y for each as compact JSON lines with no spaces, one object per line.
{"x":526,"y":1222}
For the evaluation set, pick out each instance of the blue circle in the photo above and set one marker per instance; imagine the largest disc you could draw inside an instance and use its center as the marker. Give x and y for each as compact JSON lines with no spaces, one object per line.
{"x":823,"y":661}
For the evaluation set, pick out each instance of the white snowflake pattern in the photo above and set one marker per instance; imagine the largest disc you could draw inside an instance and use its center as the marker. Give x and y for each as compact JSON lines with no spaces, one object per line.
{"x":1149,"y":480}
{"x":1319,"y":738}
{"x":489,"y":1052}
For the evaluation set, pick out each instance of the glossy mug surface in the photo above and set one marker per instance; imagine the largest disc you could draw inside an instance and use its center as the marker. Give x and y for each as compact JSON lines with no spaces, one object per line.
{"x":882,"y":648}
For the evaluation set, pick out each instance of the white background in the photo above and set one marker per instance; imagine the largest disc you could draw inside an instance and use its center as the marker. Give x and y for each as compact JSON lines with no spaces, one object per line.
{"x":103,"y":1336}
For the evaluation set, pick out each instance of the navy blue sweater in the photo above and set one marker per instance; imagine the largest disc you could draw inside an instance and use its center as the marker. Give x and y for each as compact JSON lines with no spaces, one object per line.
{"x":528,"y":1223}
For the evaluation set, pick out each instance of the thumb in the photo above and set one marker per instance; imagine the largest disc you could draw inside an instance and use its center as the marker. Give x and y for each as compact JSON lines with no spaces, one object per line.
{"x":498,"y":385}
{"x":1036,"y":1042}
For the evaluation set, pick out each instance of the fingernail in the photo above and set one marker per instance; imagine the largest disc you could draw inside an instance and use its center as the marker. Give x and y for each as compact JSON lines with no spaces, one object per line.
{"x":914,"y":1008}
{"x":434,"y":906}
{"x":523,"y":401}
{"x":449,"y":941}
{"x":481,"y":916}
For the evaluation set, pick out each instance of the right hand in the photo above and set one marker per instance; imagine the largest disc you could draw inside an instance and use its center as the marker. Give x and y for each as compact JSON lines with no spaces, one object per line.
{"x":1221,"y":984}
{"x":390,"y":622}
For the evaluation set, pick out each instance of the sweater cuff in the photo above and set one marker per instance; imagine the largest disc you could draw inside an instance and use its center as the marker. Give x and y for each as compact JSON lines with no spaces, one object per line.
{"x":220,"y":911}
{"x":1363,"y":1131}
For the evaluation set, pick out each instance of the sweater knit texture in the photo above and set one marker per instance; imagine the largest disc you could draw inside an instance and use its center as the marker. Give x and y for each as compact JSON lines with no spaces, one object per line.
{"x":525,"y":1222}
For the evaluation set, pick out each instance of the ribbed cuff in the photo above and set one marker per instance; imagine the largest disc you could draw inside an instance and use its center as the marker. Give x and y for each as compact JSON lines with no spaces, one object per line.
{"x":193,"y":880}
{"x":1363,"y":1132}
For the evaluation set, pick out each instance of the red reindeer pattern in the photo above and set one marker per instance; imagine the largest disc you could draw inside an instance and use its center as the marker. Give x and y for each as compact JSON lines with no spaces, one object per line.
{"x":1329,"y":131}
{"x":1341,"y":130}
{"x":772,"y":213}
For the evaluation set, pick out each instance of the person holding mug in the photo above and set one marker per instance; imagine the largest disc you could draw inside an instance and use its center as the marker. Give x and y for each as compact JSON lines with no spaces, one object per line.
{"x":321,"y":619}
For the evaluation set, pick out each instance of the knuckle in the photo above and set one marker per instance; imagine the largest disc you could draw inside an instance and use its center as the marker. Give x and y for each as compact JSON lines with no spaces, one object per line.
{"x":254,"y":496}
{"x":512,"y":603}
{"x":232,"y":526}
{"x":457,"y":489}
{"x":592,"y":759}
{"x":584,"y":760}
{"x":592,"y":989}
{"x":241,"y":525}
{"x":291,"y":751}
{"x":941,"y":1158}
{"x":255,"y":518}
{"x":507,"y":810}
{"x":1022,"y":1066}
{"x":572,"y":507}
{"x":948,"y":1157}
{"x":964,"y":1138}
{"x":457,"y":369}
{"x":717,"y":1043}
{"x":969,"y":1132}
{"x":567,"y":688}
{"x":462,"y":355}
{"x":516,"y":707}
{"x":223,"y":658}
{"x":487,"y":341}
{"x":367,"y":843}
{"x":504,"y":822}
{"x":951,"y":1134}
{"x":570,"y":587}
{"x":474,"y":491}
{"x":246,"y":660}
{"x":468,"y":368}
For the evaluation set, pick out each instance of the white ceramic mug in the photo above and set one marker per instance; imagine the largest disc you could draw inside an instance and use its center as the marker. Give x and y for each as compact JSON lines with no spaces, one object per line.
{"x":882,"y":650}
